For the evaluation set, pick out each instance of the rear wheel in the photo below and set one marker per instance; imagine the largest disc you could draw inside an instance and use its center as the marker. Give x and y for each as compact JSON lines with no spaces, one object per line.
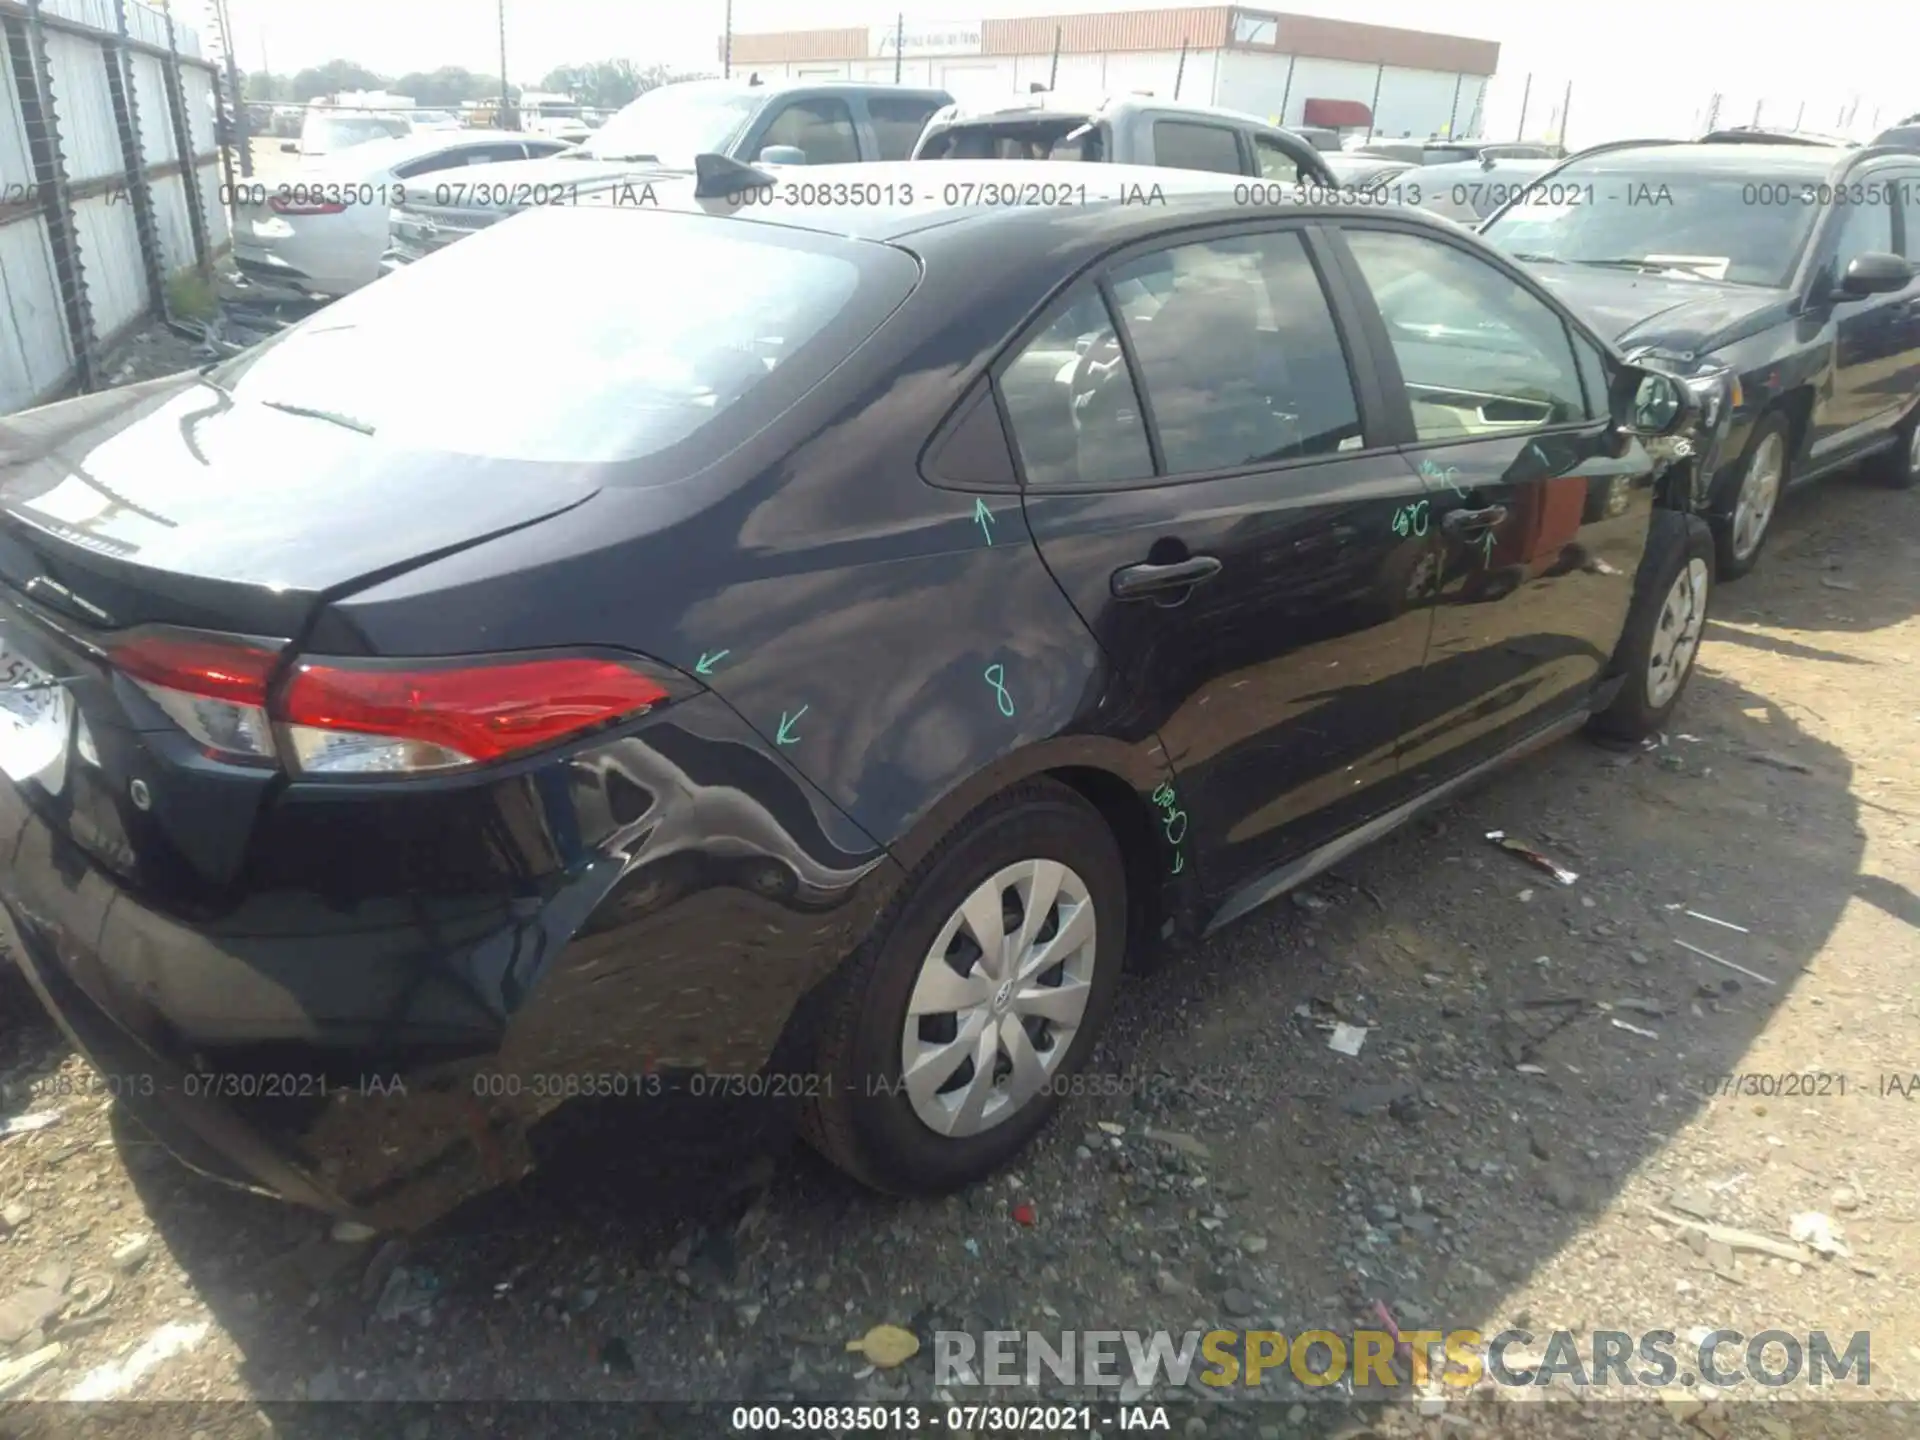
{"x":1662,"y":637}
{"x":1741,"y":528}
{"x":952,"y":1032}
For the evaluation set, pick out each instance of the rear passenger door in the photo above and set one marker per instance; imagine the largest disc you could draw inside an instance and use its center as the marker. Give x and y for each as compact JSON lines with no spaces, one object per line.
{"x":819,"y":126}
{"x":897,"y":121}
{"x":1197,"y":145}
{"x":1906,"y":380}
{"x":1540,"y":509}
{"x":1210,"y":475}
{"x":1868,"y":358}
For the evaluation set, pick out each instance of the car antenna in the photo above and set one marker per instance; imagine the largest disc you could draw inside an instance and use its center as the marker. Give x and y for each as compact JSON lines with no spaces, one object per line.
{"x":723,"y":175}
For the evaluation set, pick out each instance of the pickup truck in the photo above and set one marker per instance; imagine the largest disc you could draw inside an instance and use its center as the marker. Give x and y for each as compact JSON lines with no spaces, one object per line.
{"x":658,"y":135}
{"x":1124,"y":130}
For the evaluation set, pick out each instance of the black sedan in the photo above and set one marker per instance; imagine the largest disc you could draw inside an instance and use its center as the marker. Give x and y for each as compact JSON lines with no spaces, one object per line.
{"x":867,"y":627}
{"x":1779,"y":276}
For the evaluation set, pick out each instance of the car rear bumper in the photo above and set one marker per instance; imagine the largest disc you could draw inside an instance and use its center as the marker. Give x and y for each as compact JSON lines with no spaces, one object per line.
{"x":386,"y":1057}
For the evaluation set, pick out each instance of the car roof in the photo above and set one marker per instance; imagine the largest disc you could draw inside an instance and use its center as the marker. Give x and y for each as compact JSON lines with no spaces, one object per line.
{"x":1092,"y":102}
{"x":1466,"y":170}
{"x":781,"y":85}
{"x":1687,"y":157}
{"x":913,"y":197}
{"x":375,"y":155}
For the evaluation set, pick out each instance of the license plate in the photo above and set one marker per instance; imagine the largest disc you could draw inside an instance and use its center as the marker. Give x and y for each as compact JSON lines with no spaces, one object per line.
{"x":34,"y":716}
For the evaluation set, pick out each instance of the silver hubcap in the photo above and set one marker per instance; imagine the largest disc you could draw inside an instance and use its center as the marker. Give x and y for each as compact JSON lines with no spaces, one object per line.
{"x":1676,"y":636}
{"x":999,"y":999}
{"x":1759,"y":491}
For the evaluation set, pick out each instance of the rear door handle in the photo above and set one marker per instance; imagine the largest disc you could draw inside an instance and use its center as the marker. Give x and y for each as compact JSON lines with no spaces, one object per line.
{"x":1136,"y":581}
{"x":1464,"y":524}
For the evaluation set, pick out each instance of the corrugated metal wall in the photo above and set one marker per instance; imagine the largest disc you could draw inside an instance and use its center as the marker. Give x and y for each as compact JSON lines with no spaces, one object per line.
{"x":74,"y":278}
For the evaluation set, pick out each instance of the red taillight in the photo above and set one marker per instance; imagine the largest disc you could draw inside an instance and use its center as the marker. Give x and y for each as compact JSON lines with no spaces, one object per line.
{"x":286,"y":205}
{"x":435,"y":718}
{"x":343,"y":717}
{"x":212,"y":686}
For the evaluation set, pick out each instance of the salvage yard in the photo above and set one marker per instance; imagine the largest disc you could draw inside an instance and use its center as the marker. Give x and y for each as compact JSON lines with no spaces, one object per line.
{"x":1561,"y":1118}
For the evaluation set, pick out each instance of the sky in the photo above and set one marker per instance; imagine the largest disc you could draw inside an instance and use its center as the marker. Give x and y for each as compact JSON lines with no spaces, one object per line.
{"x":1637,"y":67}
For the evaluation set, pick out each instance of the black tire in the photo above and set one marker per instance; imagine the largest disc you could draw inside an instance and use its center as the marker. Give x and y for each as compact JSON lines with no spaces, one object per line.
{"x":1674,"y":542}
{"x":859,"y":1116}
{"x":1899,"y":468}
{"x":1728,"y":565}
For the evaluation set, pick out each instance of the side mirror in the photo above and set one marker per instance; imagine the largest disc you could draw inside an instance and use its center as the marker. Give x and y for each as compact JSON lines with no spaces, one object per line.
{"x":1874,"y":274}
{"x":291,"y":147}
{"x":783,"y":155}
{"x":1657,"y":405}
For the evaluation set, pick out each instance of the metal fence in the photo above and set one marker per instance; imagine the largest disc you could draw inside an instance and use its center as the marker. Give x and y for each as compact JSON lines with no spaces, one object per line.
{"x":109,"y":183}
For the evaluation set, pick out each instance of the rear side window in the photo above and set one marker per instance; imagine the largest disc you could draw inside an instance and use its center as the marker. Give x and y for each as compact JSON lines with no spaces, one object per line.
{"x":1275,"y":163}
{"x":822,"y":129}
{"x":1183,"y":145}
{"x":651,"y":327}
{"x":897,"y":123}
{"x":1907,"y":195}
{"x":1238,"y":353}
{"x":1070,"y":398}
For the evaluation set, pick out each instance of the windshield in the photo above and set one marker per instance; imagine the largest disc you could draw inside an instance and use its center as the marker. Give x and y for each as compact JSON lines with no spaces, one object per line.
{"x":652,"y":328}
{"x":1705,"y":225}
{"x":338,"y":132}
{"x":672,"y":124}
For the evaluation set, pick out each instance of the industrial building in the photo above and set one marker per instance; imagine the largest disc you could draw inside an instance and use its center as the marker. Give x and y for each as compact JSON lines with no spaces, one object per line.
{"x":1291,"y":69}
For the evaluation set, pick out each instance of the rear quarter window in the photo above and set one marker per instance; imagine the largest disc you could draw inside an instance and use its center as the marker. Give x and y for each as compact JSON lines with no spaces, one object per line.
{"x":1184,"y":145}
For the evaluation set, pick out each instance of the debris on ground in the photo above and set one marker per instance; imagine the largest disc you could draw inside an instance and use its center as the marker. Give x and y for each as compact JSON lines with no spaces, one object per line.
{"x":1345,"y":1039}
{"x":886,"y":1346}
{"x":1818,"y":1233}
{"x":1736,"y":1238}
{"x":27,"y":1124}
{"x":15,"y":1373}
{"x":1776,"y":762}
{"x":116,"y":1378}
{"x":1719,"y":960}
{"x":1532,"y":856}
{"x":1023,"y":1215}
{"x":1724,"y":924}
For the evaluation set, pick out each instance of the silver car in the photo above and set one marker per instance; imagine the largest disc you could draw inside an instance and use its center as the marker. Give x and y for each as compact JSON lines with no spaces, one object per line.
{"x":322,"y":230}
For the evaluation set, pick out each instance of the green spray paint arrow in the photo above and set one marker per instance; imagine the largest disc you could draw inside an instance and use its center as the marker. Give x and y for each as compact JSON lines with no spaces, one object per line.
{"x":786,"y":724}
{"x":983,"y":517}
{"x":1487,"y":549}
{"x":707,"y":662}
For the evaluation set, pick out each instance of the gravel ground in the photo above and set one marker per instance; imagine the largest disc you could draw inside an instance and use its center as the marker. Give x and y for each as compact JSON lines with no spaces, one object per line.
{"x":1536,"y":1128}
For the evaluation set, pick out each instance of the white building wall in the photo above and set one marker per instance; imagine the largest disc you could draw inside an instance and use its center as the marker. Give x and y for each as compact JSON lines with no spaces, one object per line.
{"x":1414,"y":102}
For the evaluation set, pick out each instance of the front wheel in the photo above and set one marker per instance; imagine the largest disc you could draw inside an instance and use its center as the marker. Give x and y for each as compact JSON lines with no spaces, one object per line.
{"x":1740,"y":530}
{"x":955,"y":1028}
{"x":1662,"y":638}
{"x":1899,"y":467}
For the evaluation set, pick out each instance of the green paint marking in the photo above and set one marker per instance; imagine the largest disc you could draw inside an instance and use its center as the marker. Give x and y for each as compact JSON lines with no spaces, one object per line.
{"x":996,"y":676}
{"x":983,"y":517}
{"x":1486,"y":548}
{"x":787,"y":722}
{"x":1179,"y":862}
{"x":707,"y":662}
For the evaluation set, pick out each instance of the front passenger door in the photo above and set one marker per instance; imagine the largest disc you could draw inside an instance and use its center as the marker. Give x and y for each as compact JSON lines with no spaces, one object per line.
{"x":1207,"y":476}
{"x":1867,"y":331}
{"x":820,"y":127}
{"x":1541,"y":509}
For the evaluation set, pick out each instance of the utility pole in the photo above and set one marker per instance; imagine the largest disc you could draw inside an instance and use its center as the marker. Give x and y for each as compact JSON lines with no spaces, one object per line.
{"x":1373,"y":110}
{"x":1286,"y":94}
{"x":1566,"y":106}
{"x":1180,"y":71}
{"x":1526,"y":97}
{"x":726,"y":45}
{"x":1453,"y":110}
{"x":223,"y":19}
{"x":506,"y":104}
{"x":899,"y":43}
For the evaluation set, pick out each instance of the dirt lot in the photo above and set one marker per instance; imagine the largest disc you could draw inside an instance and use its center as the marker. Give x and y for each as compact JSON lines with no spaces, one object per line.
{"x":1546,"y":1068}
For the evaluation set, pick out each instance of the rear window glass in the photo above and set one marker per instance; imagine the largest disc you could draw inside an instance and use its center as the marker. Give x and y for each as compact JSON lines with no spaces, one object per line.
{"x":589,"y":336}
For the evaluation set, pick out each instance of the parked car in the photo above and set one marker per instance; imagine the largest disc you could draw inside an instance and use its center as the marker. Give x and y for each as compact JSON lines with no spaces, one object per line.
{"x":1469,"y":192}
{"x":328,"y":132}
{"x":824,"y":672}
{"x":1778,"y":275}
{"x":1449,"y":152}
{"x":323,"y":231}
{"x":1353,"y":171}
{"x":1904,"y":136}
{"x":1123,"y":130}
{"x":659,"y":135}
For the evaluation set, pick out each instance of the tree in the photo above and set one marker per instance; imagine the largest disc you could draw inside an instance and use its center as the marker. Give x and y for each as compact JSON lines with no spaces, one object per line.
{"x":606,"y":84}
{"x":333,"y":77}
{"x":264,"y":88}
{"x":446,"y":87}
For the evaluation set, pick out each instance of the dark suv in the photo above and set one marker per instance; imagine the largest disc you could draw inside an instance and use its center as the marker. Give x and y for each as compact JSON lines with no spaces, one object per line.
{"x":1778,"y":273}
